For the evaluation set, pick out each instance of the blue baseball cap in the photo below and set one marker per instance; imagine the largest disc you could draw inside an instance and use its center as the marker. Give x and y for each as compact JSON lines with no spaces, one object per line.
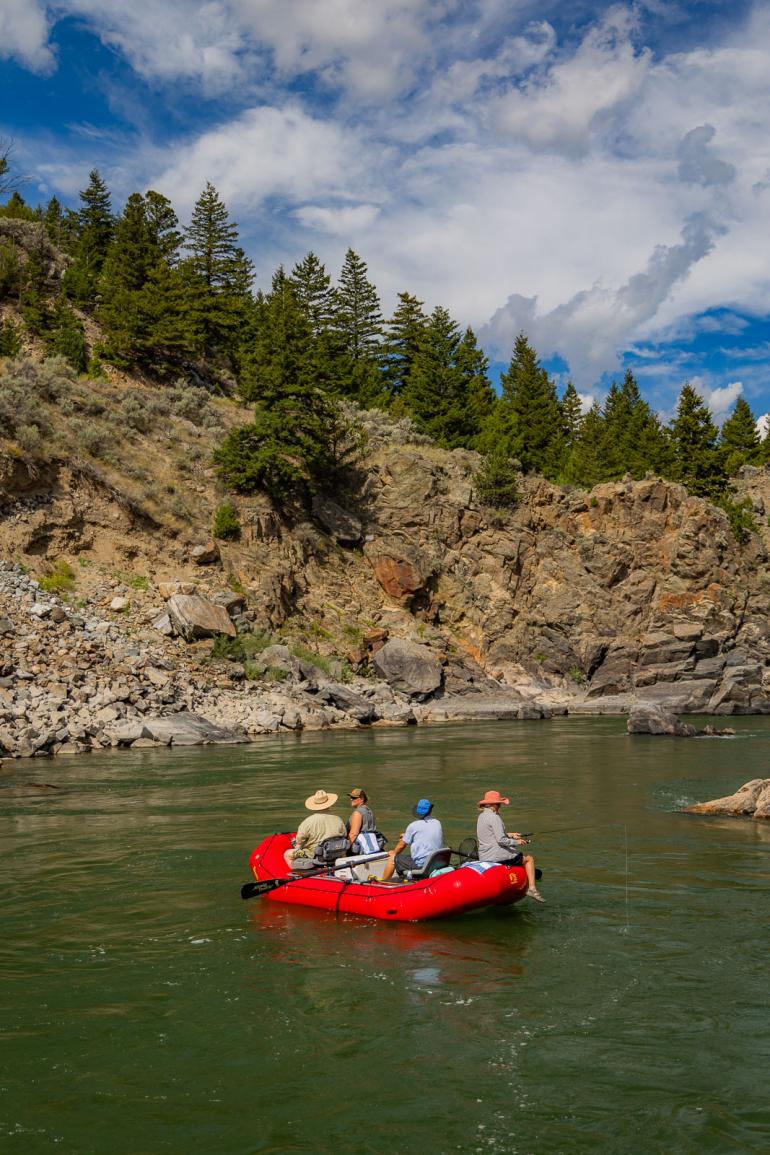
{"x":423,"y":807}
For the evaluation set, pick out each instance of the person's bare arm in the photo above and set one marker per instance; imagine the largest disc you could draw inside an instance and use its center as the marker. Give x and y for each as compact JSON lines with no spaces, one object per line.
{"x":356,"y":822}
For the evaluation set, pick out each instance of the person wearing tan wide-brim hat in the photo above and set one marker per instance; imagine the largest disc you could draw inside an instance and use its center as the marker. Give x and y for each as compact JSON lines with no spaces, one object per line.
{"x":496,"y":844}
{"x":320,"y":800}
{"x":316,"y":827}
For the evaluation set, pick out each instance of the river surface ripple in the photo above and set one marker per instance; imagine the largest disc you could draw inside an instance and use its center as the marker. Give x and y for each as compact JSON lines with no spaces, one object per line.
{"x":146,"y":1009}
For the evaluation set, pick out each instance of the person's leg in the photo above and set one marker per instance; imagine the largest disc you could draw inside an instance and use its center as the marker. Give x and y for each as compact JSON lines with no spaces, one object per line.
{"x":529,"y":866}
{"x":402,"y":862}
{"x":287,"y":854}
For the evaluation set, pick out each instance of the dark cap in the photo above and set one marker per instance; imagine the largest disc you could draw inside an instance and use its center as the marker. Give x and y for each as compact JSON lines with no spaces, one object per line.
{"x":357,"y":792}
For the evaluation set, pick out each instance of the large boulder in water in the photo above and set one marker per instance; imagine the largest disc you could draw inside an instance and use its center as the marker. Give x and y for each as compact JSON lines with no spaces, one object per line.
{"x":752,"y":800}
{"x":653,"y":719}
{"x":409,"y":667}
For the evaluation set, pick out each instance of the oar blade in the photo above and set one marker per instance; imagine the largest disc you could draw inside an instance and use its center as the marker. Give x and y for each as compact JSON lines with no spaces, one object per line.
{"x":254,"y":889}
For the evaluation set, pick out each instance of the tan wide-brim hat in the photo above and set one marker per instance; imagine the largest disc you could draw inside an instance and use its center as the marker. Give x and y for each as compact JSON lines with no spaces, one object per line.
{"x":320,"y":800}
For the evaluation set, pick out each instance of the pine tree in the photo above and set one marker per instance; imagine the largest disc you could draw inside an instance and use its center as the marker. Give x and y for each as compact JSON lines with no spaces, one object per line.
{"x":404,"y":334}
{"x":584,"y":461}
{"x":66,"y":336}
{"x":218,"y":275}
{"x":96,"y":226}
{"x":16,"y":208}
{"x":739,"y":438}
{"x":357,"y":326}
{"x":642,"y":443}
{"x":144,"y":305}
{"x":476,"y":397}
{"x":163,"y":226}
{"x":280,"y":358}
{"x":61,"y":226}
{"x":698,"y":462}
{"x":571,"y":415}
{"x":313,"y":293}
{"x":526,"y":423}
{"x":291,"y":448}
{"x":124,"y":272}
{"x":35,"y":287}
{"x":434,"y":387}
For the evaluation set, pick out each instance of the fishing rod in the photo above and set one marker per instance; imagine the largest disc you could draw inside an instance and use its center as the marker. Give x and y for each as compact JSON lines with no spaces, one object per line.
{"x":565,"y":829}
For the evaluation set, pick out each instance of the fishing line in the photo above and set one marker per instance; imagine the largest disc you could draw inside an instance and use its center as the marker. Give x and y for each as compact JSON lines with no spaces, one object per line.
{"x":626,"y":843}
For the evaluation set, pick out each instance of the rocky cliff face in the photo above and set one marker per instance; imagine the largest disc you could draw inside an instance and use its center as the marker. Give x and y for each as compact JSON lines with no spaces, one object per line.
{"x":418,"y":603}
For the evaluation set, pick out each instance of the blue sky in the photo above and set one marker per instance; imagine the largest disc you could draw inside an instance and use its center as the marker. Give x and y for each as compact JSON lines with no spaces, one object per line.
{"x":596,"y":175}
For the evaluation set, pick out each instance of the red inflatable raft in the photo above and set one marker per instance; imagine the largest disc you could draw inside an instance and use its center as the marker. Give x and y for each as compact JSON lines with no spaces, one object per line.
{"x":467,"y":887}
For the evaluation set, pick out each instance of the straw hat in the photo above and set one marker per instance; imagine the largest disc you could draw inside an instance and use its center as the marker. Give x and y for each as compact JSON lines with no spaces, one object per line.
{"x":320,"y":800}
{"x":493,"y":798}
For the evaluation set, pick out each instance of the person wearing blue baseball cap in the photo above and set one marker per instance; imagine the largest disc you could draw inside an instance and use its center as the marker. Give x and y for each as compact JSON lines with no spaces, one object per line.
{"x":422,"y":836}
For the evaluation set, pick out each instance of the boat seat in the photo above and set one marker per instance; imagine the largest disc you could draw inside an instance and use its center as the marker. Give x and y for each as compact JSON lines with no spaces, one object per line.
{"x":435,"y":861}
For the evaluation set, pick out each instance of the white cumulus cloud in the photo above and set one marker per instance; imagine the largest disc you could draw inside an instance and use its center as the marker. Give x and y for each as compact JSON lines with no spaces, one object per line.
{"x":24,"y":34}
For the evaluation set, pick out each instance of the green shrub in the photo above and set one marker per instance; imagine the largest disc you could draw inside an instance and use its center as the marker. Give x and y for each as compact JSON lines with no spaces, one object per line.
{"x":10,"y":342}
{"x":305,"y":654}
{"x":740,"y":516}
{"x":227,"y":525}
{"x":496,"y":482}
{"x":10,"y":269}
{"x":240,"y":649}
{"x":60,"y":578}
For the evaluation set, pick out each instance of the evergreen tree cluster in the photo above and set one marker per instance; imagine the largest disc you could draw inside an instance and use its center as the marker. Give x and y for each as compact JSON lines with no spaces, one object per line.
{"x":170,"y":298}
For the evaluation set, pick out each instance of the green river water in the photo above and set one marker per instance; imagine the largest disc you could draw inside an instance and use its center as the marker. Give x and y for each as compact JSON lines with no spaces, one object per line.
{"x":146,"y":1009}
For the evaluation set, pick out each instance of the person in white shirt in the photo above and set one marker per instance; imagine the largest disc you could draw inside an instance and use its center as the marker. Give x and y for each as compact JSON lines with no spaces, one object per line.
{"x":422,"y":836}
{"x":496,"y":844}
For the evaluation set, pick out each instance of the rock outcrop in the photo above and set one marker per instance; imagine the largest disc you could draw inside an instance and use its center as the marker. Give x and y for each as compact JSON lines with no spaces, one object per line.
{"x":419,"y":604}
{"x":752,"y":800}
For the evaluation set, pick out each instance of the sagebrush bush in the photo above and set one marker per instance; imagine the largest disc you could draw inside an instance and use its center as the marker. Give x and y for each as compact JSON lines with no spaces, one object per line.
{"x":90,"y":438}
{"x":189,"y":402}
{"x":134,"y":411}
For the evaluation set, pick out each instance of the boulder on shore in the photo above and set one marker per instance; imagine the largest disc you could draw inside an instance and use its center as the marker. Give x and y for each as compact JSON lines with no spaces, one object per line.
{"x":193,"y":616}
{"x":409,"y":667}
{"x":182,"y":729}
{"x":752,"y":800}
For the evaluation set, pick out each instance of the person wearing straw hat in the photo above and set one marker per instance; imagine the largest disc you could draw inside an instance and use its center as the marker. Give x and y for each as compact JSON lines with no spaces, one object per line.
{"x":496,"y":844}
{"x":316,"y":827}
